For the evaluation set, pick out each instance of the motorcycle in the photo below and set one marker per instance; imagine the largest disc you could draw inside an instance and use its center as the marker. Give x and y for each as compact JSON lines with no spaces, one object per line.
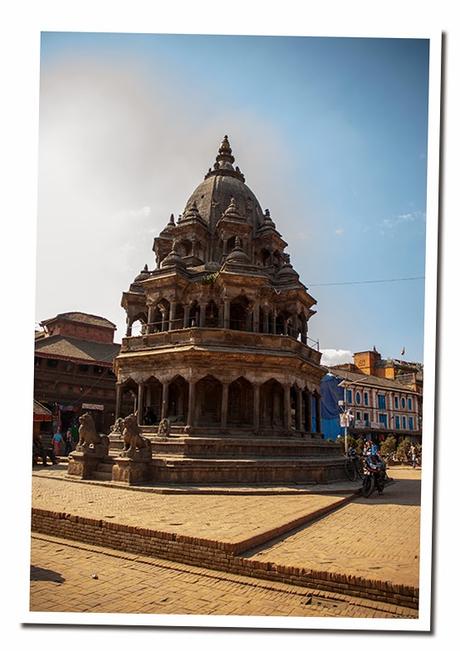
{"x":374,"y":470}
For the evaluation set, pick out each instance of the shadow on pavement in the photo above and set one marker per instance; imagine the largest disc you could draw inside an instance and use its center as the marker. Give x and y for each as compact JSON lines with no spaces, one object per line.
{"x":42,"y":574}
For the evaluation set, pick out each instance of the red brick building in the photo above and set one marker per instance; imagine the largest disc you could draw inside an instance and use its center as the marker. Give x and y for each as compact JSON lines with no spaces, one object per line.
{"x":74,"y":368}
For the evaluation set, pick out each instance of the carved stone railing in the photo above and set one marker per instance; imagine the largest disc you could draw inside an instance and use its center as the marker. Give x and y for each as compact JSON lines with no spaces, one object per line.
{"x":220,"y":337}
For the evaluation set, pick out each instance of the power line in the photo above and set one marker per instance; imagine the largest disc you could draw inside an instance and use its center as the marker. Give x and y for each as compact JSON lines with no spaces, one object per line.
{"x":364,"y":282}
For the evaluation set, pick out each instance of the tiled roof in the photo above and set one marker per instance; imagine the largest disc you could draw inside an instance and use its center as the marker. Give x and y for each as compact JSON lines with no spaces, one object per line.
{"x":82,"y":317}
{"x":367,"y":380}
{"x":41,"y":410}
{"x":79,"y":349}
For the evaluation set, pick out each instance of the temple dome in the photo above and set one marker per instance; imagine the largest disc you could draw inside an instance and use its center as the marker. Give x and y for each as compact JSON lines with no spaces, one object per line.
{"x":222,"y":184}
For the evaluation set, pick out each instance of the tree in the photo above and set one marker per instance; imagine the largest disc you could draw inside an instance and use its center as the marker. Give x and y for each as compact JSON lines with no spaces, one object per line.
{"x":388,"y":446}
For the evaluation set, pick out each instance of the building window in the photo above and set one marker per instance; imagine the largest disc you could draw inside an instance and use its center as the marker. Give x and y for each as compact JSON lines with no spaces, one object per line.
{"x":381,"y":401}
{"x":366,"y":398}
{"x":98,"y":370}
{"x":383,"y":420}
{"x":38,"y":361}
{"x":366,"y":418}
{"x":358,"y":415}
{"x":83,"y":368}
{"x":349,"y":396}
{"x":358,"y":398}
{"x":404,"y":422}
{"x":396,"y":402}
{"x":411,"y":423}
{"x":409,"y":404}
{"x":397,"y":423}
{"x":403,"y":403}
{"x":51,"y":363}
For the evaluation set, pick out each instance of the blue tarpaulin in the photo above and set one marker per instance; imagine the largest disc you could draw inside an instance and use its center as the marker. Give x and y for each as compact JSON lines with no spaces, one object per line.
{"x":331,"y":393}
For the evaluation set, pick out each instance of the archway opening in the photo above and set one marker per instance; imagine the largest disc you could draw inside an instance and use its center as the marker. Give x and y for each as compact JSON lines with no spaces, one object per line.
{"x":240,"y":402}
{"x":208,"y":401}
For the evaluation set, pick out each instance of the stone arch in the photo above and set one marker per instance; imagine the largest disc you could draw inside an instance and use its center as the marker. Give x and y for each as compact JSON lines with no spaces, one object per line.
{"x":208,"y":392}
{"x":265,"y":257}
{"x":194,"y":315}
{"x":240,"y":402}
{"x":153,"y":395}
{"x":212,"y":315}
{"x":184,"y":247}
{"x":239,"y":313}
{"x":138,"y":324}
{"x":128,"y":397}
{"x":272,"y":404}
{"x":178,"y":400}
{"x":160,"y":316}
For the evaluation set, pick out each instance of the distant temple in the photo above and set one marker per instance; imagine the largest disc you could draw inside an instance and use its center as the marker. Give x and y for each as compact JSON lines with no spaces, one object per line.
{"x":222,"y":351}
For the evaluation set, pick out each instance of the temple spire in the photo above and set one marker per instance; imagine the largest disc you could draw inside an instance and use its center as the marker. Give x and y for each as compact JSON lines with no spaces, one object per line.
{"x":224,"y":162}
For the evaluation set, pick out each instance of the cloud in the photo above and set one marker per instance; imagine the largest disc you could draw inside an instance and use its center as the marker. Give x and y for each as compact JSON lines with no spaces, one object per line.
{"x":339,"y":231}
{"x":403,"y":218}
{"x":120,"y":151}
{"x":333,"y":356}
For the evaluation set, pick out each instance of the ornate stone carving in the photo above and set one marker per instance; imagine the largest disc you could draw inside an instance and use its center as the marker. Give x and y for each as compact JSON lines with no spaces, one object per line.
{"x":136,"y":446}
{"x":90,"y":441}
{"x":164,"y":428}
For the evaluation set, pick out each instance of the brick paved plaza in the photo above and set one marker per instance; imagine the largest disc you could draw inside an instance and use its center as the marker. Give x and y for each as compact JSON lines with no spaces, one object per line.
{"x":374,"y":539}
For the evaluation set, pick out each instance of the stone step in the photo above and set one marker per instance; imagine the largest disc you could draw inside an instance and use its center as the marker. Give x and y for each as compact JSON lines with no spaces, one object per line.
{"x":106,"y":467}
{"x":102,"y":476}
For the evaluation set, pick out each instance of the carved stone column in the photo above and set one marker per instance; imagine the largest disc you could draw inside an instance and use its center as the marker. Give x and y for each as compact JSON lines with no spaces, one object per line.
{"x":256,"y":407}
{"x":256,"y":317}
{"x":226,"y":312}
{"x":150,"y":317}
{"x":140,"y":403}
{"x":129,"y":327}
{"x":191,"y":404}
{"x":318,"y":413}
{"x":308,"y":410}
{"x":224,"y":406}
{"x":164,"y":401}
{"x":202,"y":314}
{"x":118,"y":395}
{"x":274,"y":322}
{"x":287,"y":407}
{"x":266,"y":321}
{"x":298,"y":411}
{"x":186,"y":315}
{"x":172,"y":315}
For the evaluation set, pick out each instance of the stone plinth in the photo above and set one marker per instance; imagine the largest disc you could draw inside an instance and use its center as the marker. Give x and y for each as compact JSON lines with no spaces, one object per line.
{"x":84,"y":463}
{"x":131,"y":471}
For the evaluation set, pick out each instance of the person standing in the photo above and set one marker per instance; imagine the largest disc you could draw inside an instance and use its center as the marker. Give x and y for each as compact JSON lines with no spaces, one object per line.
{"x":58,"y":443}
{"x":68,"y":443}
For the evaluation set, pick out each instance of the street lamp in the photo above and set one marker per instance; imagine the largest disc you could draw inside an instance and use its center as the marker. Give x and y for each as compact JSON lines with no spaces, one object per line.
{"x":345,"y":418}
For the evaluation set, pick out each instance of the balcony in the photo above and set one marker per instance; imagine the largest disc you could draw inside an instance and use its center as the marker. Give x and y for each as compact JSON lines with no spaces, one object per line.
{"x":223,"y":338}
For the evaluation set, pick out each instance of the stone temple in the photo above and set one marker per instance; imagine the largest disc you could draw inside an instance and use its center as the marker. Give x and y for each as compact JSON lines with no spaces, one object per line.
{"x":222,"y":351}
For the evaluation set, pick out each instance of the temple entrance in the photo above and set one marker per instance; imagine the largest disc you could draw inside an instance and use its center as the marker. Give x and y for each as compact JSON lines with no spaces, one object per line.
{"x":240,"y":402}
{"x":152,"y":400}
{"x":208,"y":401}
{"x":272,"y":404}
{"x":178,"y":400}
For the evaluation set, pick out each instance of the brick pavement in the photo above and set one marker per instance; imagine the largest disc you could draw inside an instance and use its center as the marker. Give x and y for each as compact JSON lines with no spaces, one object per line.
{"x":377,"y":538}
{"x":227,"y":518}
{"x":61,"y":581}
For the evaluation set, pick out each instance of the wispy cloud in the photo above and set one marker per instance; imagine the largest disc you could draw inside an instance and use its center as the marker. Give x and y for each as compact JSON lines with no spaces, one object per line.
{"x":339,"y":231}
{"x":403,"y":218}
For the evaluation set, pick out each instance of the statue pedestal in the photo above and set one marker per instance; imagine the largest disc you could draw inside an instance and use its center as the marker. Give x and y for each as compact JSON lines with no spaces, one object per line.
{"x":84,"y":462}
{"x":132,"y":471}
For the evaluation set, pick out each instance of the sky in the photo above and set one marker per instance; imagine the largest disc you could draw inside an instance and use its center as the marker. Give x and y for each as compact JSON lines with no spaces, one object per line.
{"x":331,"y":134}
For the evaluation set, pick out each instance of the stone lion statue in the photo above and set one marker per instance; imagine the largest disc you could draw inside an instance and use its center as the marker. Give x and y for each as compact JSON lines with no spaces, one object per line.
{"x":89,"y":438}
{"x":135,"y":445}
{"x":164,"y":427}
